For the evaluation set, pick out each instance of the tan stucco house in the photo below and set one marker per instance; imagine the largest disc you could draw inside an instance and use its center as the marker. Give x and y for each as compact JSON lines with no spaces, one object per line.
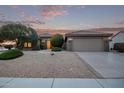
{"x":87,"y":41}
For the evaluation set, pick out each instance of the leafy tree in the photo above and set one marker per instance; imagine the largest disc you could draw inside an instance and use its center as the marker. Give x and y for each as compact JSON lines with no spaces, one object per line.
{"x":12,"y":31}
{"x":20,"y":33}
{"x":57,"y":40}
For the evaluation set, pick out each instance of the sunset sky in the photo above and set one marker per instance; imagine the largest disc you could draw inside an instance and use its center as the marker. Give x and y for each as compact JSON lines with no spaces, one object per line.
{"x":65,"y":17}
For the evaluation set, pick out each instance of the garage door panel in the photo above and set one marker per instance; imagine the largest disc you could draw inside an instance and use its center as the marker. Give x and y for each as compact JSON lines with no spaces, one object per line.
{"x":88,"y":45}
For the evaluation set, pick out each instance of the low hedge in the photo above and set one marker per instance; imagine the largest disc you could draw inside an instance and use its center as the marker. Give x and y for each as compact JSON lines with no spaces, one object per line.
{"x":56,"y":49}
{"x":119,"y":47}
{"x":11,"y":54}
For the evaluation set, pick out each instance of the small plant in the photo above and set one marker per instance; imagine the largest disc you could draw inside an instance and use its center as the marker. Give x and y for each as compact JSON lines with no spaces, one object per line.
{"x":56,"y":49}
{"x":11,"y":54}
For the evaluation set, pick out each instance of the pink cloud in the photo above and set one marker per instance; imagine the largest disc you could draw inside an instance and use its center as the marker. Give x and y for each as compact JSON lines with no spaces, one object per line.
{"x":49,"y":12}
{"x":53,"y":13}
{"x":26,"y":17}
{"x":53,"y":7}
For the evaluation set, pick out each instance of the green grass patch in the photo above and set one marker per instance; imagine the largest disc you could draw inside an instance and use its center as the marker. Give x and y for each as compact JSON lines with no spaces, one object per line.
{"x":11,"y":54}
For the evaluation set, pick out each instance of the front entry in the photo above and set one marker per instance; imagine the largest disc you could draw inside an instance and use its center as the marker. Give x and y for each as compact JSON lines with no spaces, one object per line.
{"x":45,"y":43}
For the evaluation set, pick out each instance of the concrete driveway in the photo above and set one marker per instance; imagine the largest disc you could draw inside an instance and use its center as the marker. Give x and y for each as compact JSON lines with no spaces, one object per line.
{"x":108,"y":64}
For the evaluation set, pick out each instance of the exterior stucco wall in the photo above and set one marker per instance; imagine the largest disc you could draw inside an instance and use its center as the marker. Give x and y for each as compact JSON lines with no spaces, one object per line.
{"x":69,"y":44}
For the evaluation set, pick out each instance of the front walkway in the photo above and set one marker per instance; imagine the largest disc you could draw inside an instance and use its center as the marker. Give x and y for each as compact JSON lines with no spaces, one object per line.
{"x":60,"y":83}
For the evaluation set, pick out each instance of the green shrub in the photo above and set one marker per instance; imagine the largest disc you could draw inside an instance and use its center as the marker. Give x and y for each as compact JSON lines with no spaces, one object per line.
{"x":11,"y":54}
{"x":119,"y":47}
{"x":56,"y":49}
{"x":57,"y":40}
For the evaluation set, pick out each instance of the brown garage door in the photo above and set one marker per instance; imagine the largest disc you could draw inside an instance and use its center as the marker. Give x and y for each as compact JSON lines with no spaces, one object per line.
{"x":87,"y":45}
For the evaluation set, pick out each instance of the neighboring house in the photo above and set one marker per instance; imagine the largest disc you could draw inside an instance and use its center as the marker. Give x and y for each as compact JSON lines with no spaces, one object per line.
{"x":117,"y":38}
{"x":87,"y":41}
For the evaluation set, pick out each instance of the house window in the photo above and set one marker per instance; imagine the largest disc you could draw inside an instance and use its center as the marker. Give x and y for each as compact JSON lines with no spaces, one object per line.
{"x":27,"y":45}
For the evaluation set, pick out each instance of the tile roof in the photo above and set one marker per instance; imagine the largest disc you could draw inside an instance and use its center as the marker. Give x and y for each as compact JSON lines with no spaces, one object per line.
{"x":86,"y":33}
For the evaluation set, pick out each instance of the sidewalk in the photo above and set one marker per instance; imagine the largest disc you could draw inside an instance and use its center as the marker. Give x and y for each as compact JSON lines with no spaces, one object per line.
{"x":60,"y":83}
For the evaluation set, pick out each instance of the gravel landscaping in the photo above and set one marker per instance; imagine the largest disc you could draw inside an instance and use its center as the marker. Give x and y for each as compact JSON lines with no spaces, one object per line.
{"x":43,"y":64}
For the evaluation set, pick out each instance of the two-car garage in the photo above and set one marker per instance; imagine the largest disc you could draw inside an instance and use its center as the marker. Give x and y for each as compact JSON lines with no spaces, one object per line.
{"x":87,"y":44}
{"x":87,"y":41}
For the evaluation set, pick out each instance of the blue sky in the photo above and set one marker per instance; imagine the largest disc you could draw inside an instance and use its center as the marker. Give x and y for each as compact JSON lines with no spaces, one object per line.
{"x":65,"y":17}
